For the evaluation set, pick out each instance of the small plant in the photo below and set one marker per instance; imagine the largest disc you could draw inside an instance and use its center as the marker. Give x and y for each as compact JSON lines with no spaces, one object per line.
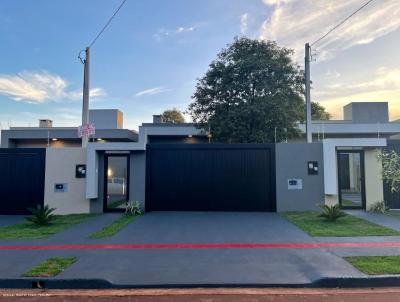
{"x":332,"y":212}
{"x":380,"y":207}
{"x":41,"y":216}
{"x":132,"y":208}
{"x":390,"y":169}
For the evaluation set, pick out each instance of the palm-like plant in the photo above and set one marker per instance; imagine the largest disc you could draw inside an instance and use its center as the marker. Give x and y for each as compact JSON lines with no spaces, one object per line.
{"x":41,"y":215}
{"x":132,"y":208}
{"x":332,"y":212}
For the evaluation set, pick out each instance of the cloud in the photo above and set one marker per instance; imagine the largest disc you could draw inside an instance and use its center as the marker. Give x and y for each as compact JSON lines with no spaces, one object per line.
{"x":294,"y":22}
{"x":275,"y":2}
{"x":244,"y":19}
{"x":166,"y":33}
{"x":78,"y":95}
{"x":382,"y":85}
{"x":153,"y":91}
{"x":332,"y":74}
{"x":40,"y":87}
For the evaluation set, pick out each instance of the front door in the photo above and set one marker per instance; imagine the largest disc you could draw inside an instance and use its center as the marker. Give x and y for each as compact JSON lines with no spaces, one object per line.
{"x":351,"y":179}
{"x":116,"y":188}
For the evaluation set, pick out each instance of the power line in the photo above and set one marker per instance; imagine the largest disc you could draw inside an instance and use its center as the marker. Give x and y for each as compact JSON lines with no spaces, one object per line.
{"x":108,"y":23}
{"x":341,"y":23}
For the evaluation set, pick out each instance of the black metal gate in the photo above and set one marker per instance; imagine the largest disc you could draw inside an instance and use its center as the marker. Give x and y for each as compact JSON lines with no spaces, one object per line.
{"x":21,"y":179}
{"x":210,"y":177}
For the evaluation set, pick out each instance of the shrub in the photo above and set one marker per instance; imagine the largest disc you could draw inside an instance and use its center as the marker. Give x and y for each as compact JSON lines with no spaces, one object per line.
{"x":390,"y":169}
{"x":132,"y":208}
{"x":380,"y":207}
{"x":41,"y":216}
{"x":332,"y":212}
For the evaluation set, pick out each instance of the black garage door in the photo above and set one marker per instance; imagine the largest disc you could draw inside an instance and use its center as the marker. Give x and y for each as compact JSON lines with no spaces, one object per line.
{"x":21,"y":179}
{"x":207,"y":177}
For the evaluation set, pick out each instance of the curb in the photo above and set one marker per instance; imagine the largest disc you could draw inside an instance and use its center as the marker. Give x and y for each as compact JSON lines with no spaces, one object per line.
{"x":29,"y":283}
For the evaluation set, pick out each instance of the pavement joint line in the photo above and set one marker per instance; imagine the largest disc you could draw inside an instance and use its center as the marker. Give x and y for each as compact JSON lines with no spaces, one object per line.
{"x":203,"y":246}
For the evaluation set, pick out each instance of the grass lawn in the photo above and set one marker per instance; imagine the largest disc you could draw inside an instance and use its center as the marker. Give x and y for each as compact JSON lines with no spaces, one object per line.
{"x":51,"y":267}
{"x":348,"y":226}
{"x":28,"y":230}
{"x":376,"y":265}
{"x":114,"y":227}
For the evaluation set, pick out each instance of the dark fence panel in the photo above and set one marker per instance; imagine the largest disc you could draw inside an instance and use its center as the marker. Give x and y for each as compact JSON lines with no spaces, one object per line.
{"x":210,"y":177}
{"x":21,"y":179}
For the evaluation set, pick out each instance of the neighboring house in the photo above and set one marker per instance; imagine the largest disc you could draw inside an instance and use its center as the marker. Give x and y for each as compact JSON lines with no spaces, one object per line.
{"x":108,"y":123}
{"x":361,"y":120}
{"x":172,"y":167}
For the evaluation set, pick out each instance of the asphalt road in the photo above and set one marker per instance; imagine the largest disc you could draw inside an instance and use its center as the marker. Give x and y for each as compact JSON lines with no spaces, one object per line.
{"x":205,"y":295}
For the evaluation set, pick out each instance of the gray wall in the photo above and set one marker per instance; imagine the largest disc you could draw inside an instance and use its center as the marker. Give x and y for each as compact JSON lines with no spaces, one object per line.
{"x":60,"y":168}
{"x":137,"y":183}
{"x":291,"y":162}
{"x":96,"y":205}
{"x":106,"y":118}
{"x":366,"y":112}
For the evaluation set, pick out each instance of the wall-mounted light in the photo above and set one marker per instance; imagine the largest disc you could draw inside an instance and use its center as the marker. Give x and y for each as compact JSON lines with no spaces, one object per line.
{"x":190,"y":135}
{"x":110,"y":172}
{"x":99,"y":139}
{"x":54,"y":139}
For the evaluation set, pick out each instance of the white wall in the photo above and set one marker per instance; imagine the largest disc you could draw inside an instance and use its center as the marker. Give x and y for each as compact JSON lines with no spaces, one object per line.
{"x":60,"y":168}
{"x":373,"y":178}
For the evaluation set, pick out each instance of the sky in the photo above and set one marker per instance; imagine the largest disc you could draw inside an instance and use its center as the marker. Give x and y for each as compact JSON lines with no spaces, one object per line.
{"x":152,"y":54}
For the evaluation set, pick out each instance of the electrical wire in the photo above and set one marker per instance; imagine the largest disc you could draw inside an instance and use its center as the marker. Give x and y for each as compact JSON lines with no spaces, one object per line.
{"x":108,"y":23}
{"x":341,"y":23}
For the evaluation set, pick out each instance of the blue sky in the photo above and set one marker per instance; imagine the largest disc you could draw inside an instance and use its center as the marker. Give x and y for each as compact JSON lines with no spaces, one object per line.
{"x":149,"y":58}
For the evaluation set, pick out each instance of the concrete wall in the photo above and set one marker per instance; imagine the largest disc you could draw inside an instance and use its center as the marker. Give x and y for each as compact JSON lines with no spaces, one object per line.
{"x":106,"y":118}
{"x":96,"y":204}
{"x":373,"y":178}
{"x":137,"y":183}
{"x":60,"y":168}
{"x":366,"y":112}
{"x":291,"y":162}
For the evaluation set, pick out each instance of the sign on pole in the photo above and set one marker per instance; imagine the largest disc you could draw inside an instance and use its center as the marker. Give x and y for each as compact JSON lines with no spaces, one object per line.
{"x":86,"y":130}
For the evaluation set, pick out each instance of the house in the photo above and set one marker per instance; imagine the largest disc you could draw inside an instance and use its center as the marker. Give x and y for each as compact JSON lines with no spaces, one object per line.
{"x":172,"y":167}
{"x":109,"y":128}
{"x":361,"y":120}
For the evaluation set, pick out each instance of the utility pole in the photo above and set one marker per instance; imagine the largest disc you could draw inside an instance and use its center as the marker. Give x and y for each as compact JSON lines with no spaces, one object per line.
{"x":307,"y":60}
{"x":86,"y":88}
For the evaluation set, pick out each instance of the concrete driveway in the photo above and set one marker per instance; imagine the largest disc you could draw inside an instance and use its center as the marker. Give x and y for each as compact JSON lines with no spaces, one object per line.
{"x":210,"y":227}
{"x":195,"y":267}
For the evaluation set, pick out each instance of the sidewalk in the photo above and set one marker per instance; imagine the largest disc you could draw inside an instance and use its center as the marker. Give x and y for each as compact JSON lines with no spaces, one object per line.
{"x":381,"y":219}
{"x":196,"y":249}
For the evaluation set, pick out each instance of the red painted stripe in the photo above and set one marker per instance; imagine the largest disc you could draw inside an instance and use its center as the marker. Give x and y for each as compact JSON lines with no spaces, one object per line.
{"x":203,"y":246}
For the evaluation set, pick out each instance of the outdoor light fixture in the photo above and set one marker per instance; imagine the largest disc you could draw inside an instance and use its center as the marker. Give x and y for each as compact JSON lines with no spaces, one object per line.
{"x":54,"y":139}
{"x":99,"y":139}
{"x":110,"y":173}
{"x":190,"y":135}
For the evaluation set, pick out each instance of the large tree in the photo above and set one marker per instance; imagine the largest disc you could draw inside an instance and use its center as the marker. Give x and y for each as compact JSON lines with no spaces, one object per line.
{"x":173,"y":116}
{"x":251,"y":90}
{"x":319,"y":113}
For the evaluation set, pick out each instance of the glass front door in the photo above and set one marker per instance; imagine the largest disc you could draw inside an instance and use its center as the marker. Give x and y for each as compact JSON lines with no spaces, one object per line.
{"x":116,"y":184}
{"x":351,"y":179}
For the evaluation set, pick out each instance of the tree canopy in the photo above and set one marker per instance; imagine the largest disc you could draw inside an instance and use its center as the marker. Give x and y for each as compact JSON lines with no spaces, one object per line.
{"x":251,"y":91}
{"x":173,"y":116}
{"x":319,"y":113}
